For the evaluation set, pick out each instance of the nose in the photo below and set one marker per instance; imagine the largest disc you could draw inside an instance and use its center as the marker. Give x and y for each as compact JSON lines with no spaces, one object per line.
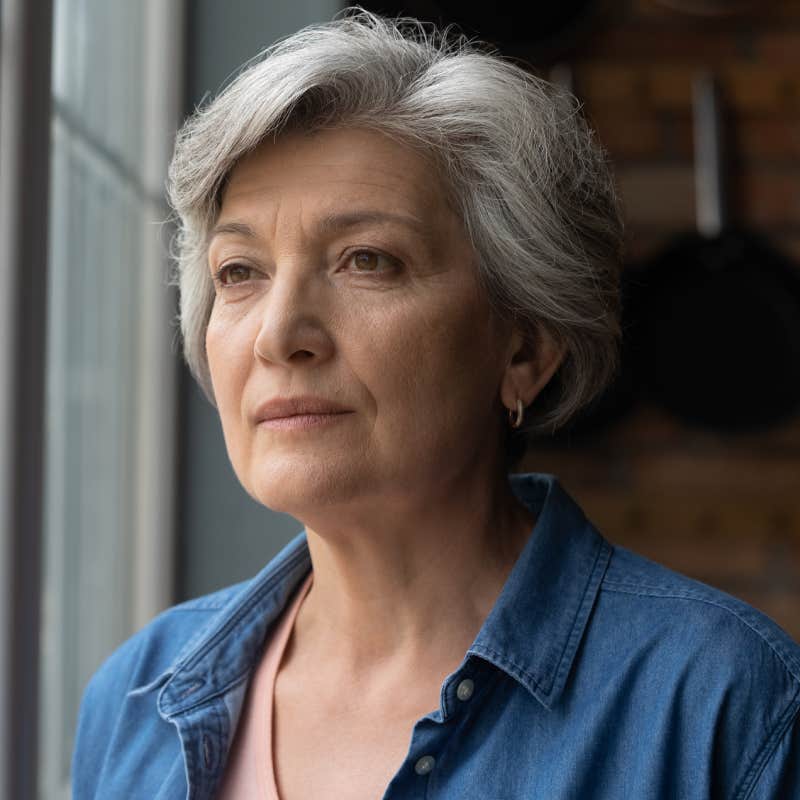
{"x":294,"y":328}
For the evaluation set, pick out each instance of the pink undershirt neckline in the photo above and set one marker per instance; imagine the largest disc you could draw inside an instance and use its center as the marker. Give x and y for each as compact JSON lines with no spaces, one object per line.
{"x":250,"y":771}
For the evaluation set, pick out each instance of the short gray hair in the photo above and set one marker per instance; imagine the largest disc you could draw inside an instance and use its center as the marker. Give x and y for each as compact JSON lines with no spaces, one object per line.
{"x":520,"y":164}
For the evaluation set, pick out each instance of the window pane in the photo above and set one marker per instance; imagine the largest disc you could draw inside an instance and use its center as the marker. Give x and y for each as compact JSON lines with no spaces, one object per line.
{"x":97,"y":216}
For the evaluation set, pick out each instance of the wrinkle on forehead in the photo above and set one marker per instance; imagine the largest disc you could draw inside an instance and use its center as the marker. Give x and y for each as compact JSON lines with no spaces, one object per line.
{"x":355,"y":152}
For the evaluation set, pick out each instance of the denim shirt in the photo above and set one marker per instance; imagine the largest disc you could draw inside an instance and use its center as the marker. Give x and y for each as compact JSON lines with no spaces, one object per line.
{"x":597,"y":674}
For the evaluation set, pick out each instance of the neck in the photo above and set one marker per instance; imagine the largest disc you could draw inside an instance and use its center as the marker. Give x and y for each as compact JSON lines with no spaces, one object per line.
{"x":410,"y":588}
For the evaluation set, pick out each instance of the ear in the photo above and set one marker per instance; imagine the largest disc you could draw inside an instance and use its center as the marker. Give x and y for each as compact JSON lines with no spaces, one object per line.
{"x":531,"y":365}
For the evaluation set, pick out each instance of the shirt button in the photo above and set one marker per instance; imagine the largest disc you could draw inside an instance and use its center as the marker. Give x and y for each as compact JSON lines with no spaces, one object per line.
{"x":424,"y":765}
{"x":465,"y":689}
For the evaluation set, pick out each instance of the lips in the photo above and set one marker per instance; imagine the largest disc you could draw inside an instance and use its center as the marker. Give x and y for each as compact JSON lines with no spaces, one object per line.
{"x":279,"y":407}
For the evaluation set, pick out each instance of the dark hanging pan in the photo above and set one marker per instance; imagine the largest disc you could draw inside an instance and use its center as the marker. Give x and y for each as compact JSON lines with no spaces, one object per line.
{"x":718,"y":332}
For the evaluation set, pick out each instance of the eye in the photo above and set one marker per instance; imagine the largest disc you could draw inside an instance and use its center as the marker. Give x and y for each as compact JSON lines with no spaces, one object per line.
{"x":370,"y":261}
{"x":232,"y":274}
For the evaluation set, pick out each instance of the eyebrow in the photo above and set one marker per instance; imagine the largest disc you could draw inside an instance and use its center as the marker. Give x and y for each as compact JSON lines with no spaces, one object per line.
{"x":331,"y":223}
{"x":236,"y":228}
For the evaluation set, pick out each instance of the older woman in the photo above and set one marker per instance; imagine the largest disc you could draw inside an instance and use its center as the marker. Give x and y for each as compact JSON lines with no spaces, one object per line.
{"x":397,"y":253}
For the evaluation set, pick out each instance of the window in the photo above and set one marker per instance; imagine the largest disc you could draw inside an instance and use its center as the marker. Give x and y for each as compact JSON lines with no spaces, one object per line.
{"x":110,"y":377}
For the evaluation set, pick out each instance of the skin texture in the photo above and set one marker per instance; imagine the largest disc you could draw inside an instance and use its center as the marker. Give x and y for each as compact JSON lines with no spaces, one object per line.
{"x":411,"y":526}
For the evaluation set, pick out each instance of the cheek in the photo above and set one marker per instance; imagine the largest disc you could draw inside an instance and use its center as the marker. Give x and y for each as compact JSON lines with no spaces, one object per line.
{"x":429,"y":358}
{"x":395,"y":351}
{"x":229,"y":347}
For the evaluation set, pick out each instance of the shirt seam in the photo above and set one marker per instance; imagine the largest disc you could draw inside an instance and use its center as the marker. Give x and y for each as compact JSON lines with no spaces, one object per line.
{"x":767,"y":750}
{"x":656,"y":591}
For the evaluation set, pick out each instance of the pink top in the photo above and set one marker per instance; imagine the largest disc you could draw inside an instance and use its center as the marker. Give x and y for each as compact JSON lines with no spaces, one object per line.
{"x":250,"y":774}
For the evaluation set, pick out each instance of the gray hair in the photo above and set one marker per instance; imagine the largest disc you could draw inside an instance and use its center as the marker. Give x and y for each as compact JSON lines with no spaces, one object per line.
{"x":521,"y":167}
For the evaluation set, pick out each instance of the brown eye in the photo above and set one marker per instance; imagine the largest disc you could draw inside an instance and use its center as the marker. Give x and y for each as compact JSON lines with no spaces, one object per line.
{"x":369,"y":261}
{"x":366,"y":260}
{"x":233,"y":274}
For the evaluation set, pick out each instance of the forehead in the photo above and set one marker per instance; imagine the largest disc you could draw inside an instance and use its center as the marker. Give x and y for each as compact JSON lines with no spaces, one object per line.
{"x":346,"y":164}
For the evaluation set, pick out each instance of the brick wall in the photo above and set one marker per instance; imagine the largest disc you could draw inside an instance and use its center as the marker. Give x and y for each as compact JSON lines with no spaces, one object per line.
{"x":722,"y":508}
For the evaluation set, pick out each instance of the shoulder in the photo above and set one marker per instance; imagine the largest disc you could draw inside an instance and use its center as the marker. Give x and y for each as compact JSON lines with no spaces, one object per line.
{"x":711,"y":663}
{"x":697,"y":611}
{"x":151,"y":654}
{"x":157,"y":645}
{"x":115,"y":700}
{"x":145,"y":655}
{"x":126,"y":730}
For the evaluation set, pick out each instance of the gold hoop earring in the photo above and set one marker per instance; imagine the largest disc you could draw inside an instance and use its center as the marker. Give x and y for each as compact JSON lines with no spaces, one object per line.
{"x":515,"y":417}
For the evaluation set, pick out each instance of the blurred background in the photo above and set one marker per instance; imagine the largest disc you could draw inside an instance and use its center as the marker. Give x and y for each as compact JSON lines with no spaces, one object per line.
{"x":115,"y":488}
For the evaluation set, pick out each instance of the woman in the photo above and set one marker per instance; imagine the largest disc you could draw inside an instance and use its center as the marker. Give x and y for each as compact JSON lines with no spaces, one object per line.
{"x":397,"y":253}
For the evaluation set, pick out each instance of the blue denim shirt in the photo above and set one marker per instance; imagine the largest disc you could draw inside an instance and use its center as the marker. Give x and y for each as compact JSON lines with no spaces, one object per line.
{"x":597,"y":674}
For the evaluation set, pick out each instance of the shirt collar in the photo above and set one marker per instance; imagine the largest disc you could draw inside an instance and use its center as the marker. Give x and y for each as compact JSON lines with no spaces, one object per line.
{"x":225,"y":650}
{"x":532,"y":633}
{"x":536,"y":625}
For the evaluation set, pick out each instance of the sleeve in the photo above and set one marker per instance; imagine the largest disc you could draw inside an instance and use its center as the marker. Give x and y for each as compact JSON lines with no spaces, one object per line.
{"x":89,"y":751}
{"x":100,"y":714}
{"x":780,"y":777}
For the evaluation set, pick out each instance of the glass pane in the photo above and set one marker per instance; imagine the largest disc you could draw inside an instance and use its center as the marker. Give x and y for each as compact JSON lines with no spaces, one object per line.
{"x":97,"y":214}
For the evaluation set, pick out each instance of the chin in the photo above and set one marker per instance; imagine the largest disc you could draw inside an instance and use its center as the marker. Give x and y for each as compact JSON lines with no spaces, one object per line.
{"x":299,"y":486}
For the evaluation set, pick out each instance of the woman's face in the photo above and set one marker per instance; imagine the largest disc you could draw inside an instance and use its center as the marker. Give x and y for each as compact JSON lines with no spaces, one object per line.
{"x":341,"y":273}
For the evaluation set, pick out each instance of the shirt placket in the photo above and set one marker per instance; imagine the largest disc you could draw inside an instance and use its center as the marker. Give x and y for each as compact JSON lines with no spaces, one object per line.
{"x":204,"y":733}
{"x":434,"y":741}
